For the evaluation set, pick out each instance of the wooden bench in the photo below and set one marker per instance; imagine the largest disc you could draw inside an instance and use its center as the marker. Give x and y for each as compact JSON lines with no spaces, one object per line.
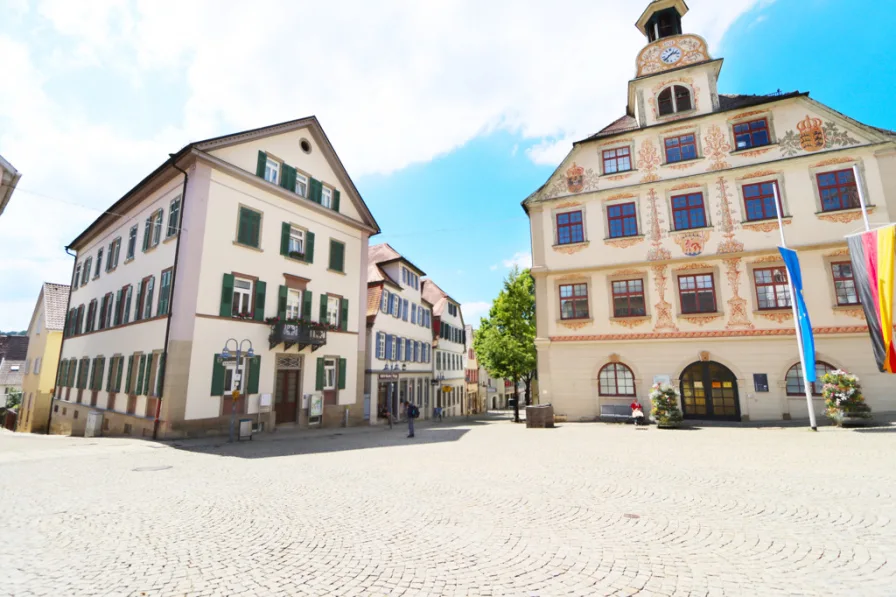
{"x":616,"y":412}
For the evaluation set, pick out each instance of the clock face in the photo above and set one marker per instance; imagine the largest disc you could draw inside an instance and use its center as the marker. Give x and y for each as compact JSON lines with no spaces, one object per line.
{"x":671,"y":55}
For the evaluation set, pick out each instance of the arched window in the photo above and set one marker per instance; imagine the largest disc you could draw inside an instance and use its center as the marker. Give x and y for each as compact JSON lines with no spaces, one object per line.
{"x":797,"y":387}
{"x":615,"y":379}
{"x":674,"y":99}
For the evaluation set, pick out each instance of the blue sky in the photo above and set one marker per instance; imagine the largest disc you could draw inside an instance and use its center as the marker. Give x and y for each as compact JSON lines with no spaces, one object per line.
{"x":446,"y":118}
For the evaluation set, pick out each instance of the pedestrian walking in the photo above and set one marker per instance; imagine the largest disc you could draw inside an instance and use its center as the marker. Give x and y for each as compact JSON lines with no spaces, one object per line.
{"x":412,"y":412}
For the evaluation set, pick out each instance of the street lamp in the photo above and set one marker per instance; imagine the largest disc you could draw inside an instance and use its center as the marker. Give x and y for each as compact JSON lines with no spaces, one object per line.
{"x":237,"y":374}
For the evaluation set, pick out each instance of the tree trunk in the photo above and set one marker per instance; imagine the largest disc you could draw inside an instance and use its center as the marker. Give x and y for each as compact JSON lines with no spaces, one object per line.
{"x":528,"y":391}
{"x":516,"y":401}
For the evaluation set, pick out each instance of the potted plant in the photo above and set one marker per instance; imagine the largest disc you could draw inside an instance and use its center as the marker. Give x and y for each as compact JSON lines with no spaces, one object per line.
{"x":665,"y":411}
{"x":297,"y":255}
{"x":844,"y":403}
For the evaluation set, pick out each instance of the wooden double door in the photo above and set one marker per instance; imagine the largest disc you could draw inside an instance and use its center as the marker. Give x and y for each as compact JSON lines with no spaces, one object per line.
{"x":709,"y":392}
{"x":286,"y":396}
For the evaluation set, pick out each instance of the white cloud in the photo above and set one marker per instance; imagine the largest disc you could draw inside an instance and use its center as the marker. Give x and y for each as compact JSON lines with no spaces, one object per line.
{"x":521,"y":259}
{"x":396,"y":83}
{"x":474,"y":311}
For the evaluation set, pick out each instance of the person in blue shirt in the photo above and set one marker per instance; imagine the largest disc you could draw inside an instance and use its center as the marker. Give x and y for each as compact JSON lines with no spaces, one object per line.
{"x":412,"y":412}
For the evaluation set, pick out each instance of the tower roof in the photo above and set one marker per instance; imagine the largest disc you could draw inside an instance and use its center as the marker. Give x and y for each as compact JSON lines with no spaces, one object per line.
{"x":657,"y":5}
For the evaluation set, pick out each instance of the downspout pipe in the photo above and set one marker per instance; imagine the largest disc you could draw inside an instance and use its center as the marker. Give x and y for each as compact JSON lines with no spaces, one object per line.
{"x":164,"y":372}
{"x":68,"y":306}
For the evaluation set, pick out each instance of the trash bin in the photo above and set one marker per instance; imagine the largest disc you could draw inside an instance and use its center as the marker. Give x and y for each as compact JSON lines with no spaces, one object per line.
{"x":245,"y":429}
{"x":540,"y":417}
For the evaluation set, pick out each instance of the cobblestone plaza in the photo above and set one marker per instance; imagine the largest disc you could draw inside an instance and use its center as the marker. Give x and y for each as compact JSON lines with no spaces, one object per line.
{"x":479,"y":508}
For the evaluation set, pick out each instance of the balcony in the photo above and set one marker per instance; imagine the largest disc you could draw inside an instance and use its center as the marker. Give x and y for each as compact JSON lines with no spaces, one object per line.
{"x":303,"y":334}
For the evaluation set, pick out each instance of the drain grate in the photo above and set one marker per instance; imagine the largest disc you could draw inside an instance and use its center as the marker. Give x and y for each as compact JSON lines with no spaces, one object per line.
{"x":150,"y":469}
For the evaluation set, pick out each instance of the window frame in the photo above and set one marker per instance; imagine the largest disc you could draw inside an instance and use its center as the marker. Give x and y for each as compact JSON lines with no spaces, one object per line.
{"x":750,"y":132}
{"x":157,"y":217}
{"x":326,"y":196}
{"x":616,"y":367}
{"x":761,"y":198}
{"x":273,"y":165}
{"x":623,"y":218}
{"x":679,"y":146}
{"x":851,"y":279}
{"x":331,"y":300}
{"x":132,"y":243}
{"x":674,"y":100}
{"x":99,"y":263}
{"x":696,"y":291}
{"x":817,"y":385}
{"x":757,"y":285}
{"x":574,"y":298}
{"x":239,"y":291}
{"x":239,"y":220}
{"x":341,"y":268}
{"x":570,"y":226}
{"x":689,"y":209}
{"x":615,"y":159}
{"x":628,"y":294}
{"x":174,"y":215}
{"x":840,"y":189}
{"x":303,"y":180}
{"x":294,"y":232}
{"x":297,"y":307}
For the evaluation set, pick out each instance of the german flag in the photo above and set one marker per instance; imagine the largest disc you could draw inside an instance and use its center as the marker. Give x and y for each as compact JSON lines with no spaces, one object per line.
{"x":872,"y":255}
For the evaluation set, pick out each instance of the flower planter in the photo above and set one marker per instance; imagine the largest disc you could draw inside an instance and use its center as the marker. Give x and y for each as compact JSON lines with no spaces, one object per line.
{"x":665,"y":409}
{"x":844,"y":403}
{"x":851,"y":419}
{"x":668,"y":424}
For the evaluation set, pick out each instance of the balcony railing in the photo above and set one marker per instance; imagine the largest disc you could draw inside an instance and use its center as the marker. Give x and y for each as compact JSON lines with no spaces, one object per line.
{"x":301,"y":334}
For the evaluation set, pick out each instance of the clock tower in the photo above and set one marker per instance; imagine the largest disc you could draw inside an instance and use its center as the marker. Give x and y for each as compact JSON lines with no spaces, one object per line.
{"x":675,"y":75}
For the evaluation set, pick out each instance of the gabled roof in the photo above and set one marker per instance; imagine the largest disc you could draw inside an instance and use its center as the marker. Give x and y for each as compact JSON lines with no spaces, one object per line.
{"x":384,"y":253}
{"x":437,"y":297}
{"x":200,"y":147}
{"x":55,"y":300}
{"x":9,"y":178}
{"x":14,"y":347}
{"x":9,"y":377}
{"x":374,"y":299}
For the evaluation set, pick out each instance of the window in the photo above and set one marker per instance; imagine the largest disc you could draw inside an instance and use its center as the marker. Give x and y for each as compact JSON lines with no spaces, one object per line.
{"x":452,"y":309}
{"x":165,"y":293}
{"x":394,"y":347}
{"x":301,"y":187}
{"x":687,"y":211}
{"x":329,"y":374}
{"x":148,"y":285}
{"x":296,"y":246}
{"x":242,"y":298}
{"x":85,"y":277}
{"x":132,"y":242}
{"x":333,"y":304}
{"x":751,"y":134}
{"x":155,"y":227}
{"x":796,"y":385}
{"x":384,"y":303}
{"x":293,"y":303}
{"x":628,"y":298}
{"x":326,"y":197}
{"x":844,"y":283}
{"x":838,"y":190}
{"x":615,"y":379}
{"x":112,"y":257}
{"x":337,"y":256}
{"x":230,"y":382}
{"x":617,"y":160}
{"x":395,"y":308}
{"x":37,"y":366}
{"x":622,"y":220}
{"x":570,"y":228}
{"x":272,"y":170}
{"x":380,"y":345}
{"x":574,"y":301}
{"x":173,"y":217}
{"x":126,"y":293}
{"x":77,"y":276}
{"x":759,"y":199}
{"x":679,"y":149}
{"x":674,"y":99}
{"x":772,"y":288}
{"x":91,"y":316}
{"x":249,"y":229}
{"x":99,"y":263}
{"x":697,"y":294}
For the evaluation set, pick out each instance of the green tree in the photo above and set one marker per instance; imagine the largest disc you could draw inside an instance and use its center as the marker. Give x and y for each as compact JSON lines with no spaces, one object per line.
{"x":505,"y":342}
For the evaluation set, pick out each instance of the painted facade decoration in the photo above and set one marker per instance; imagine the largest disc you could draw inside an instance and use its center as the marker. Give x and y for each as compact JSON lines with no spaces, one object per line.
{"x":737,"y":305}
{"x":575,"y":180}
{"x":691,"y":49}
{"x":664,"y":320}
{"x":648,"y":161}
{"x":727,"y":224}
{"x":691,"y":243}
{"x":716,"y":147}
{"x":657,"y":252}
{"x":814,"y":135}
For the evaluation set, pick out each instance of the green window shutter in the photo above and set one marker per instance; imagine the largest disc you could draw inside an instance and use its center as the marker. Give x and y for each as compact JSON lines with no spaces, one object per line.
{"x":118,"y":369}
{"x":147,"y":375}
{"x":90,"y":385}
{"x":306,"y":304}
{"x":116,"y":319}
{"x":102,"y":369}
{"x":262,"y":162}
{"x":281,"y":302}
{"x":217,"y":377}
{"x":128,"y":388}
{"x":164,"y":293}
{"x":147,"y":233}
{"x":316,"y":188}
{"x":309,"y":247}
{"x":227,"y":296}
{"x":288,"y":177}
{"x":343,"y":315}
{"x":140,"y":369}
{"x":337,"y":256}
{"x":323,"y":308}
{"x":71,"y":373}
{"x":284,"y":238}
{"x":320,"y":374}
{"x":335,"y":200}
{"x":342,"y":367}
{"x":254,"y":374}
{"x":249,"y":227}
{"x":60,"y":374}
{"x":260,"y":291}
{"x":160,"y":375}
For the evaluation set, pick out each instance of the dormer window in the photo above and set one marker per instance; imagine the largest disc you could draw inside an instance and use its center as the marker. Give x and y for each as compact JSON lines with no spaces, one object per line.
{"x":674,"y":99}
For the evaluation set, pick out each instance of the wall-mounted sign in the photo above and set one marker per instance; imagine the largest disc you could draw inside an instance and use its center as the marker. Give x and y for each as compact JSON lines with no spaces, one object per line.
{"x":317,"y":406}
{"x":760,"y":382}
{"x":662,"y":379}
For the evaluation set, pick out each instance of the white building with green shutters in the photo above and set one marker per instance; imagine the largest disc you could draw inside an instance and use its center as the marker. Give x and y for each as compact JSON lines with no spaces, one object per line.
{"x":257,"y":238}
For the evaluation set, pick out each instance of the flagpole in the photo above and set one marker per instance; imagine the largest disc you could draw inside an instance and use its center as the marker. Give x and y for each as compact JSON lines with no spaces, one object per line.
{"x":855,"y":174}
{"x":796,"y":319}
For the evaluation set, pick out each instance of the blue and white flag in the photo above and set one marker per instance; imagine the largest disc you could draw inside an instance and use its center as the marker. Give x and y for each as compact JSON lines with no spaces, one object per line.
{"x":805,"y":326}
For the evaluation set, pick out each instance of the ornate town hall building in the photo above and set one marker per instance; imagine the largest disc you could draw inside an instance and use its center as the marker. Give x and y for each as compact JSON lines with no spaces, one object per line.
{"x":655,"y":243}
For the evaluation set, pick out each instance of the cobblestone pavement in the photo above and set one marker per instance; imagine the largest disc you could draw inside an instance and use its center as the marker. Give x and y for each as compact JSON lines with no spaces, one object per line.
{"x":486,"y":508}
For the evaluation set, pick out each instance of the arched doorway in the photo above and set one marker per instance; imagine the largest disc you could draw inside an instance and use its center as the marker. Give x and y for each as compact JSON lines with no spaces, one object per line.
{"x":709,"y":391}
